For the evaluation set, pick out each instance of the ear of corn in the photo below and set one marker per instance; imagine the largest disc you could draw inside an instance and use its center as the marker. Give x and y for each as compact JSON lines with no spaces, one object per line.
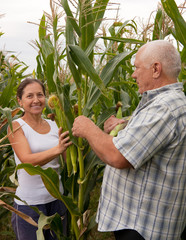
{"x":53,"y":103}
{"x":117,"y":128}
{"x":119,"y":113}
{"x":73,"y":154}
{"x":120,"y":126}
{"x":68,"y":162}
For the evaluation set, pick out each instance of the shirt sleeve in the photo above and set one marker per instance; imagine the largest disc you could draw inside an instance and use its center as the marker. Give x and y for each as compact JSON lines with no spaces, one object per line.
{"x":148,"y":132}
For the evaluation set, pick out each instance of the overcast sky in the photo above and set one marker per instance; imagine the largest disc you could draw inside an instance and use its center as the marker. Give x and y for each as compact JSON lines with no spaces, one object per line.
{"x":18,"y":33}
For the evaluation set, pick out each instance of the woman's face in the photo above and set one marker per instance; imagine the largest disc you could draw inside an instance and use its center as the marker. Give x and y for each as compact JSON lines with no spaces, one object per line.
{"x":33,"y":99}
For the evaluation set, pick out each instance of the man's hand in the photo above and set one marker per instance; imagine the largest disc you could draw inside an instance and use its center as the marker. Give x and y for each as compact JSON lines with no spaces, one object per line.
{"x":81,"y":126}
{"x":111,"y":123}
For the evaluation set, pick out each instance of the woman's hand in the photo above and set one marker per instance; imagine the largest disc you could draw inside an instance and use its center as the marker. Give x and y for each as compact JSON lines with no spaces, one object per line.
{"x":63,"y":140}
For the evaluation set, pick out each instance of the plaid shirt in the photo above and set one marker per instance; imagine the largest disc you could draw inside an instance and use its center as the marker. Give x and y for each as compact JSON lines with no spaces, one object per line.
{"x":151,"y":198}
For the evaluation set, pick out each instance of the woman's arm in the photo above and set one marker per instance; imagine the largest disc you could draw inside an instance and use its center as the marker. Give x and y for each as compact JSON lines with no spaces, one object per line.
{"x":22,"y":149}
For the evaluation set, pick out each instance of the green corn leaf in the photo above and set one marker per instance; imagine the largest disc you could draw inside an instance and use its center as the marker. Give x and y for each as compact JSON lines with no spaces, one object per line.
{"x":91,"y":46}
{"x":106,"y":76}
{"x":46,"y":48}
{"x":87,"y":26}
{"x":55,"y":225}
{"x":183,"y":55}
{"x":157,"y":25}
{"x":51,"y":181}
{"x":81,"y":59}
{"x":172,"y":11}
{"x":8,"y":113}
{"x":70,"y":16}
{"x":98,"y":12}
{"x":65,"y":100}
{"x":42,"y":28}
{"x":7,"y":92}
{"x":73,"y":69}
{"x":50,"y":72}
{"x":112,"y":65}
{"x":69,"y":33}
{"x":124,"y":40}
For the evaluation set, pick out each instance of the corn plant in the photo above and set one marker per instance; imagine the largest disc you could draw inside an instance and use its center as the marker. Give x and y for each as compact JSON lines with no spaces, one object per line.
{"x":178,"y":32}
{"x":12,"y":71}
{"x":79,"y":92}
{"x":86,"y":82}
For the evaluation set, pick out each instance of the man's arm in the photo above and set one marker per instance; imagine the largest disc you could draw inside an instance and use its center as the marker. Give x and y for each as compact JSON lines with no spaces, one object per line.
{"x":100,"y":142}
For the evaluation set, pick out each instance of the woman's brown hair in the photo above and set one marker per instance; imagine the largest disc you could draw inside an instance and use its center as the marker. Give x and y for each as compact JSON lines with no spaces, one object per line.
{"x":26,"y":82}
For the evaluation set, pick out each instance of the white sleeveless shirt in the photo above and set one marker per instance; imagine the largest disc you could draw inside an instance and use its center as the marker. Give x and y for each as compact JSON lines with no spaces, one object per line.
{"x":31,"y":188}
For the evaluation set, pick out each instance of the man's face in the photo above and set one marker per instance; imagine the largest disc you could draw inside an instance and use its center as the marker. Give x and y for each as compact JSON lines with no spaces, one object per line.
{"x":143,"y":73}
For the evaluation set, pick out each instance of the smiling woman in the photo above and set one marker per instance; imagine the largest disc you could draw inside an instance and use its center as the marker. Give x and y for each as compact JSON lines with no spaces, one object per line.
{"x":39,"y":142}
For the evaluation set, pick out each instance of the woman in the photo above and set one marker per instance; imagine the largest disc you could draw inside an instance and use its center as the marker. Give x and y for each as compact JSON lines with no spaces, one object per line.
{"x":39,"y":142}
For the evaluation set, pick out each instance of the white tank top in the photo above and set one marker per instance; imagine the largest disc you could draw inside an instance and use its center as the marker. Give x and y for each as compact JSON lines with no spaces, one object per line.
{"x":31,"y":188}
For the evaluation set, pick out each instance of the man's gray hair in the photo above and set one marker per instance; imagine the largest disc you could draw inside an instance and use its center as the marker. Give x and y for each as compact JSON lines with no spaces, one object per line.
{"x":164,"y":52}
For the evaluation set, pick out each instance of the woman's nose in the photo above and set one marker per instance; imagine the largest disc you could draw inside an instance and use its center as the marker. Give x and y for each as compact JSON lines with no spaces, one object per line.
{"x":36,"y":99}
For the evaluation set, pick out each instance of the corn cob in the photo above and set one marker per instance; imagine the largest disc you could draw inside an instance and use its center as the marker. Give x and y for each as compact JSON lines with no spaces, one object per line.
{"x":68,"y":162}
{"x":73,"y":155}
{"x":53,"y":103}
{"x":71,"y":152}
{"x":120,"y":126}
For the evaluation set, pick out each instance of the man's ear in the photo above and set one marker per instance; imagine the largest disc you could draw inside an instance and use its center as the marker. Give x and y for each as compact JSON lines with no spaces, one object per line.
{"x":157,"y":68}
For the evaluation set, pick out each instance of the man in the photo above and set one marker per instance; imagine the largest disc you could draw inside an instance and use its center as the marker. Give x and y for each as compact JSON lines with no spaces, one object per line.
{"x":143,"y":190}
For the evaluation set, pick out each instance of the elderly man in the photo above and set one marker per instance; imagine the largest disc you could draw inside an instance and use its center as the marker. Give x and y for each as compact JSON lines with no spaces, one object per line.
{"x":143,"y":191}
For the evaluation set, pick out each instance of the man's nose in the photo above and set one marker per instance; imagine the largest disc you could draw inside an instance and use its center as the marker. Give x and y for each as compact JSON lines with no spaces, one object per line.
{"x":134,"y":75}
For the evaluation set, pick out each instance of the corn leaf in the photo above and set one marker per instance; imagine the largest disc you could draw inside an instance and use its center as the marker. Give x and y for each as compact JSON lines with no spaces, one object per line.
{"x":69,"y":14}
{"x":73,"y":69}
{"x":172,"y":11}
{"x":7,"y":92}
{"x":69,"y":33}
{"x":87,"y":25}
{"x":53,"y":221}
{"x":124,"y":40}
{"x":22,"y":215}
{"x":46,"y":48}
{"x":106,"y":76}
{"x":81,"y":59}
{"x":98,"y":12}
{"x":65,"y":99}
{"x":50,"y":72}
{"x":8,"y":114}
{"x":157,"y":25}
{"x":51,"y":181}
{"x":42,"y":28}
{"x":70,"y":40}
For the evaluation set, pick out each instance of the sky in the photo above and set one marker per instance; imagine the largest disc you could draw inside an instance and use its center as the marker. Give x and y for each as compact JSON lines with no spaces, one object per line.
{"x":18,"y":32}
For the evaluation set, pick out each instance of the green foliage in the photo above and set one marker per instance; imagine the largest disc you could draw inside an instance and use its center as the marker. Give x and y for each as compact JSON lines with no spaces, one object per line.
{"x":12,"y":71}
{"x":87,"y":82}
